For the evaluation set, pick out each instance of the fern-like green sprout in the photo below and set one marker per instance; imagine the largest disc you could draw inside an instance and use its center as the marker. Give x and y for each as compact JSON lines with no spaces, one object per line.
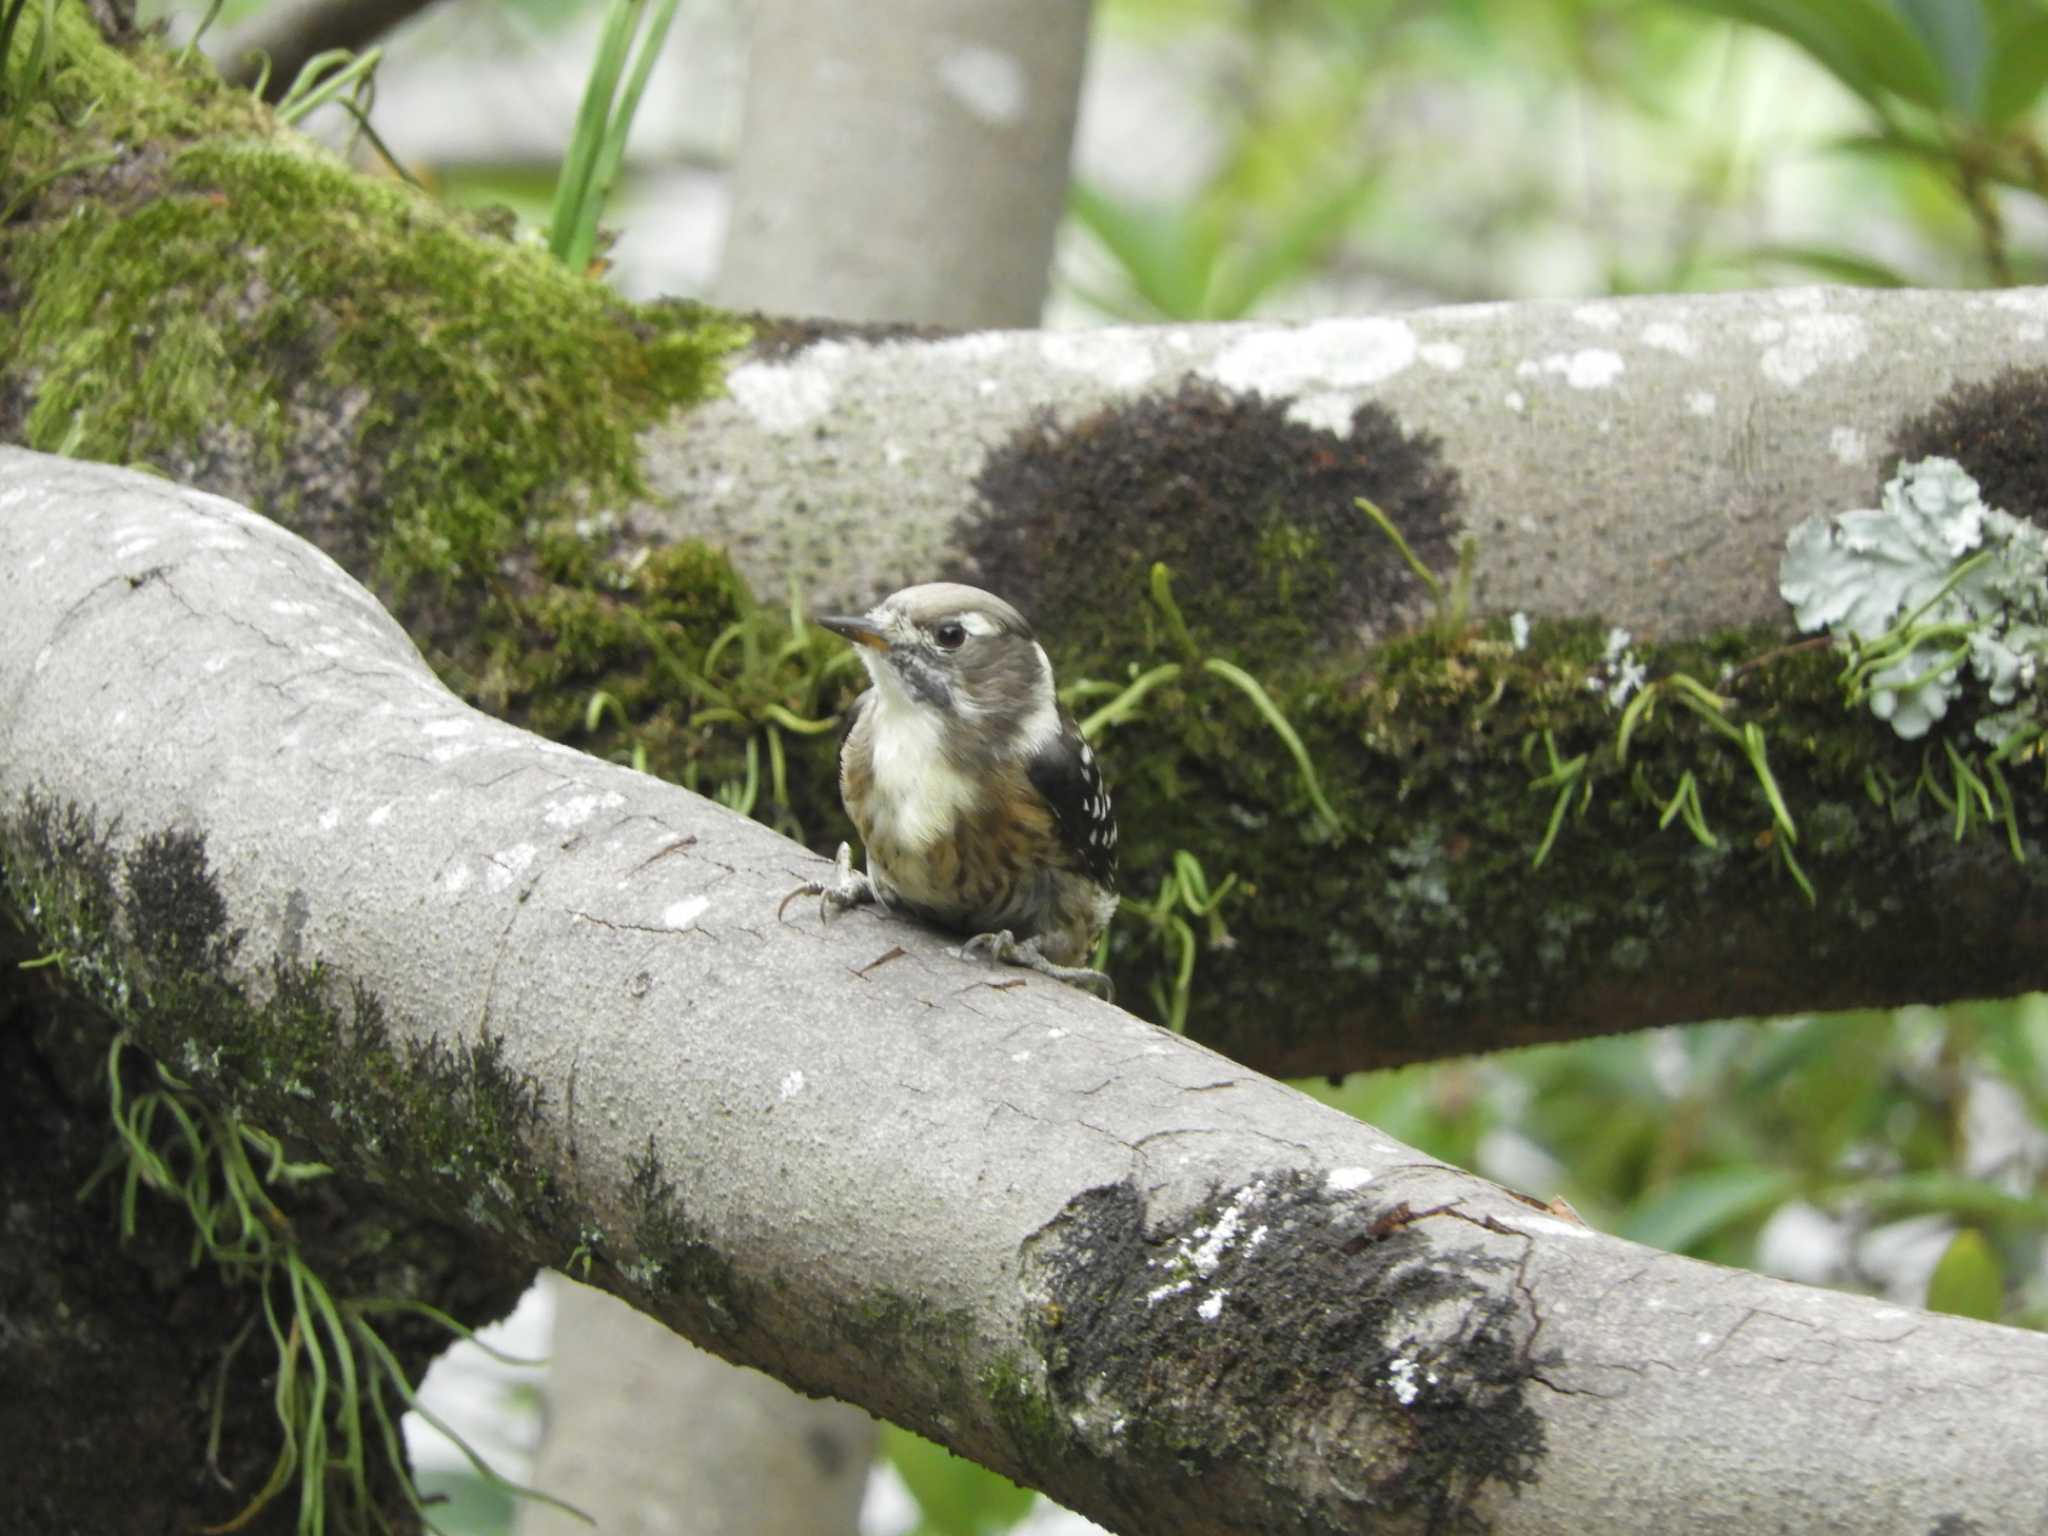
{"x":333,"y":1371}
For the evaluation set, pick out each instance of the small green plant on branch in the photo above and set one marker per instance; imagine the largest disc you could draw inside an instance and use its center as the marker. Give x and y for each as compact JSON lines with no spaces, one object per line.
{"x":1625,"y":684}
{"x":764,"y":674}
{"x":340,"y":1389}
{"x":1185,"y":897}
{"x":1123,"y":706}
{"x":1453,"y":605}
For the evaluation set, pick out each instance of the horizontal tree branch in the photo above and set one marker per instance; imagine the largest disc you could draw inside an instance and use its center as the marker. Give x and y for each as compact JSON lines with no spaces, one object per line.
{"x":412,"y":391}
{"x":1177,"y":1296}
{"x":1638,"y":460}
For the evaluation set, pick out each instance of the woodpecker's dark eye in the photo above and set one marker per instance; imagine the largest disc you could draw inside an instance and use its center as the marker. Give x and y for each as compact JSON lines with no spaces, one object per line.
{"x":950,"y":635}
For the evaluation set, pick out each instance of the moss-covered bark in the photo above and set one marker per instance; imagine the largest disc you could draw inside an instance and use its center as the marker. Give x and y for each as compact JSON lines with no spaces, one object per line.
{"x":454,"y":418}
{"x":156,"y":1359}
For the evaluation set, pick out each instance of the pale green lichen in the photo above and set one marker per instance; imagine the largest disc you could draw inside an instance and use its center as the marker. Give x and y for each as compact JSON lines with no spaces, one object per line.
{"x":1927,"y":590}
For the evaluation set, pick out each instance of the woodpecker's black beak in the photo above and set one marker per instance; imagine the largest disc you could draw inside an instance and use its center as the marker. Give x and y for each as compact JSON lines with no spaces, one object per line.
{"x":859,"y":630}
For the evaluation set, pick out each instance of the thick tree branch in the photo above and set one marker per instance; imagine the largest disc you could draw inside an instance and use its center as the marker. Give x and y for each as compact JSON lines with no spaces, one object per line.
{"x":410,"y":392}
{"x":1172,"y":1293}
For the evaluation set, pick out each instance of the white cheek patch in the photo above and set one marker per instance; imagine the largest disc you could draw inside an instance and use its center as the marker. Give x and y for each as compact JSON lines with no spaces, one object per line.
{"x":1042,"y":725}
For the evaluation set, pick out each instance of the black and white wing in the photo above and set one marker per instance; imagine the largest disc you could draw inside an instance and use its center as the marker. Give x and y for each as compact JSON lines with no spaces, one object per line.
{"x":1066,"y":773}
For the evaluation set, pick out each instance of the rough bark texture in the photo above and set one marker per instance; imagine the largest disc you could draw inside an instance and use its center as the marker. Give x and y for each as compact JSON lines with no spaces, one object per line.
{"x":118,"y":1355}
{"x":460,"y":420}
{"x":1177,"y":1296}
{"x":907,"y":166}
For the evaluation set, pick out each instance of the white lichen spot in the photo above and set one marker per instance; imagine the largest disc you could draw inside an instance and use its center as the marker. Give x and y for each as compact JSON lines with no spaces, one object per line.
{"x":1795,"y":350}
{"x":1324,"y":413}
{"x":1401,"y":1380}
{"x":134,"y":547}
{"x":1587,"y":368}
{"x":1518,"y":629}
{"x":1020,"y":1057}
{"x":379,"y":816}
{"x":1200,"y":1253}
{"x":445,"y":728}
{"x":1172,"y":1288}
{"x":292,"y":607}
{"x":1601,"y":317}
{"x":987,"y":82}
{"x":1620,"y":672}
{"x":508,"y":865}
{"x":1701,"y":402}
{"x":1211,"y":1306}
{"x":1055,"y":1033}
{"x":330,"y":818}
{"x":1342,"y":1180}
{"x":977,"y":347}
{"x":1669,"y":336}
{"x":681,"y":914}
{"x":213,"y":666}
{"x":1118,"y":358}
{"x":783,"y":397}
{"x":792,"y":1085}
{"x":1515,"y":401}
{"x":1323,"y":356}
{"x":1848,"y":446}
{"x":574,"y":810}
{"x":456,"y":880}
{"x":1445,"y":355}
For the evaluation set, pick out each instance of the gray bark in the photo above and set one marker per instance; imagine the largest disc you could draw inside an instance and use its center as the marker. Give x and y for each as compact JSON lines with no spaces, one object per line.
{"x":1634,"y":459}
{"x":904,"y":162}
{"x":1176,"y":1295}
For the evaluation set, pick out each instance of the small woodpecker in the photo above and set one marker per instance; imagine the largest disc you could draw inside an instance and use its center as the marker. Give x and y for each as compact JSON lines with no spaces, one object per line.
{"x":981,"y":808}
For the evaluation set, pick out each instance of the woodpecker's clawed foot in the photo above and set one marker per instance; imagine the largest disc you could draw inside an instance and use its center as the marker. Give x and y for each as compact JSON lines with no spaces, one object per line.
{"x":1005,"y":948}
{"x":847,"y":888}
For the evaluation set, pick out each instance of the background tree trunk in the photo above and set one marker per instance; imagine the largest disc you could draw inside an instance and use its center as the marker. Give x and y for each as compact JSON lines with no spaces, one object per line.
{"x":906,"y":164}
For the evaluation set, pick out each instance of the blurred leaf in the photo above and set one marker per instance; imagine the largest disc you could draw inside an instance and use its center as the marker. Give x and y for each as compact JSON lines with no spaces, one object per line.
{"x":1942,"y":1194}
{"x":1162,"y":252}
{"x":1866,"y":44}
{"x":1967,"y":1282}
{"x":956,"y":1497}
{"x":1958,"y":35}
{"x":1831,"y":265}
{"x":1292,"y":253}
{"x":2019,"y":67}
{"x":1700,"y":1204}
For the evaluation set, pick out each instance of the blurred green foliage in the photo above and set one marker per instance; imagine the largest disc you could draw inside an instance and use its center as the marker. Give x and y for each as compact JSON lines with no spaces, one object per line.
{"x":1362,"y":153}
